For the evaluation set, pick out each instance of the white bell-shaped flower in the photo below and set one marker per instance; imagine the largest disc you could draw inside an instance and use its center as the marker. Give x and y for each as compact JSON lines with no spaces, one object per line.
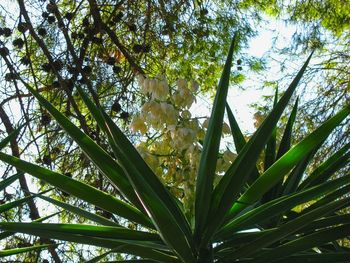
{"x":138,"y":124}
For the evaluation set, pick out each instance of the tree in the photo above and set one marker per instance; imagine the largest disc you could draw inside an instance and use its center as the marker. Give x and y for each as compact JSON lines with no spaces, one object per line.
{"x":322,"y":25}
{"x":57,"y":47}
{"x":221,"y":212}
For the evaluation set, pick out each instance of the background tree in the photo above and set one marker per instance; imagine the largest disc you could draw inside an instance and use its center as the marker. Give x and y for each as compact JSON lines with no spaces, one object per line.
{"x":102,"y":45}
{"x":323,"y":25}
{"x":55,"y":46}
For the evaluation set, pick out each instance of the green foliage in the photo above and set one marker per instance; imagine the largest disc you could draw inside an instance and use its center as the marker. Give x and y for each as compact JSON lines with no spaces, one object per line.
{"x":324,"y":25}
{"x":224,"y":213}
{"x":102,"y":47}
{"x":333,"y":15}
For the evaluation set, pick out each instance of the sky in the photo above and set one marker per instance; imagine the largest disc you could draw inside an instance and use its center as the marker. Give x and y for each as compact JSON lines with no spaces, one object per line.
{"x":260,"y":46}
{"x":240,"y":99}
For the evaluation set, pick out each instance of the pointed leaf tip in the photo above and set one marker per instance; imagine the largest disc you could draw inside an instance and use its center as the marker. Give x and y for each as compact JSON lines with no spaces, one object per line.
{"x":208,"y":160}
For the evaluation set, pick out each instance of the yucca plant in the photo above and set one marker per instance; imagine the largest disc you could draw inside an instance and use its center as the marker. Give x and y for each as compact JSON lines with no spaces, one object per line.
{"x":249,"y":216}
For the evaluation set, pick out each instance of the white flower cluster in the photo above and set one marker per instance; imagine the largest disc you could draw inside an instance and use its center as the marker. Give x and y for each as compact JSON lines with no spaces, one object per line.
{"x":224,"y":163}
{"x":183,"y":96}
{"x":138,"y":124}
{"x":182,"y":138}
{"x":157,"y":87}
{"x":160,"y":110}
{"x":156,"y":114}
{"x":174,"y":154}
